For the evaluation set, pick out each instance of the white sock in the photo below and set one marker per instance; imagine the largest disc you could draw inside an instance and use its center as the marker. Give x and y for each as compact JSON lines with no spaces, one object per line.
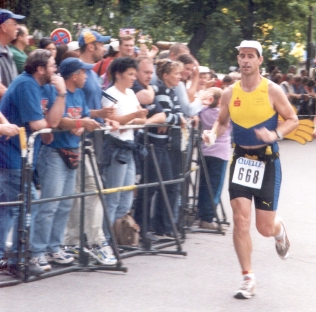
{"x":281,"y":233}
{"x":250,"y":275}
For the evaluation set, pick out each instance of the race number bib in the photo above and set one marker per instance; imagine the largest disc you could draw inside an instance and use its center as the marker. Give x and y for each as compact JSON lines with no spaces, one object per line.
{"x":249,"y":172}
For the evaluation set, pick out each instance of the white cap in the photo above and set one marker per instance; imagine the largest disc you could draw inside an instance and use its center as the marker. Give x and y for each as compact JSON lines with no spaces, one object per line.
{"x":250,"y":44}
{"x":73,"y":46}
{"x":115,"y":45}
{"x":203,"y":70}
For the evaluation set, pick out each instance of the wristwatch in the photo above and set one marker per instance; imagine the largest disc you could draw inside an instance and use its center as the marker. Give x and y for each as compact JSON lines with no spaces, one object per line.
{"x":62,"y":94}
{"x":279,"y":134}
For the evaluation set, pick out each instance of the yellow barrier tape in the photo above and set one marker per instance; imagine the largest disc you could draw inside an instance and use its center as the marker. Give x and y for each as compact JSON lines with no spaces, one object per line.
{"x":118,"y":189}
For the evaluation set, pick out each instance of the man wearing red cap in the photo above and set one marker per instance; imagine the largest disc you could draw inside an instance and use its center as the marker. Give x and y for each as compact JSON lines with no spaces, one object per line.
{"x":253,"y":104}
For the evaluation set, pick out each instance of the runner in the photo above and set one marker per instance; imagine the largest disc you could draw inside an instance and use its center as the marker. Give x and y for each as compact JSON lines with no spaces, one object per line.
{"x":253,"y":104}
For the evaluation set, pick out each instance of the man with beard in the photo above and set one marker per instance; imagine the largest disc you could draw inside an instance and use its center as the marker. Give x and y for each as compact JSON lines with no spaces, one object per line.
{"x":25,"y":104}
{"x":57,"y":164}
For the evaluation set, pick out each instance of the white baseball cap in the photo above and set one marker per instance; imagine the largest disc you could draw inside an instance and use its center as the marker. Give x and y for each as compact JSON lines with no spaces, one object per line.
{"x":250,"y":44}
{"x":203,"y":70}
{"x":73,"y":46}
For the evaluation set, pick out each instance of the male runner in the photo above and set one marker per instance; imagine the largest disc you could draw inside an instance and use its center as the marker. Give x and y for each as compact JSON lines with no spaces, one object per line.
{"x":253,"y":104}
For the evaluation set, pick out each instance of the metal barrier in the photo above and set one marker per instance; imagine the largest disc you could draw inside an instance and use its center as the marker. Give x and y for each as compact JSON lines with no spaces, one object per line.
{"x":146,"y":247}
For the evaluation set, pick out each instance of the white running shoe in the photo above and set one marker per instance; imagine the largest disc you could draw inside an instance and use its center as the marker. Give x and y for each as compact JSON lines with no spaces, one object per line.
{"x":247,"y":288}
{"x":104,"y":255}
{"x":282,"y":245}
{"x":59,"y":257}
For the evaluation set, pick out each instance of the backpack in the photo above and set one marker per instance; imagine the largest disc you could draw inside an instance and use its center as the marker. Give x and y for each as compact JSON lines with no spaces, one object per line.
{"x":126,"y":231}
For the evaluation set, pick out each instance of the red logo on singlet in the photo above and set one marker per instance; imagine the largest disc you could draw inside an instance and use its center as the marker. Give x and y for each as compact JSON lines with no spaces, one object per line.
{"x":74,"y":112}
{"x":237,"y":102}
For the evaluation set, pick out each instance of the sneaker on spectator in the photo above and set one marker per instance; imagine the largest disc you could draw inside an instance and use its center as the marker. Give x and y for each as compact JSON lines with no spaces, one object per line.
{"x":104,"y":254}
{"x":72,"y":251}
{"x":247,"y":288}
{"x":59,"y":257}
{"x":38,"y":265}
{"x":153,"y":238}
{"x":282,"y":244}
{"x":208,"y":225}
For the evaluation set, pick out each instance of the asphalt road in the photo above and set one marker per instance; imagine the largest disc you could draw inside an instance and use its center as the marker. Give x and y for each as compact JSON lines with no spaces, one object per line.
{"x":205,"y":279}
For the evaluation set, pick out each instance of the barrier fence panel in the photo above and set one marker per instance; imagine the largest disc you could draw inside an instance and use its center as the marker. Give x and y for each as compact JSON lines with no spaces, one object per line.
{"x":195,"y":143}
{"x":146,"y":246}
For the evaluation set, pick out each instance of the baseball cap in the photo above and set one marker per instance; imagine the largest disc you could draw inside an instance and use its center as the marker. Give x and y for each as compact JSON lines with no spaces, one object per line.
{"x":89,"y":36}
{"x":6,"y":14}
{"x":115,"y":45}
{"x":72,"y":64}
{"x":204,"y":70}
{"x":73,"y":45}
{"x":250,"y":44}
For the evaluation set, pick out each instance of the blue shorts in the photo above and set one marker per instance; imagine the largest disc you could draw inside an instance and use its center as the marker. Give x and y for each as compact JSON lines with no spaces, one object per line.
{"x":265,"y":198}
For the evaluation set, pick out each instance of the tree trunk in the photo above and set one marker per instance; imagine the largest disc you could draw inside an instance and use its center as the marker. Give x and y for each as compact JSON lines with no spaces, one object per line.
{"x":197,"y":39}
{"x":248,"y":21}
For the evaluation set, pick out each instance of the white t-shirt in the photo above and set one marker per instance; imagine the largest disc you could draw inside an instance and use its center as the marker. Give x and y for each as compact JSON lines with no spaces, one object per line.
{"x":126,"y":104}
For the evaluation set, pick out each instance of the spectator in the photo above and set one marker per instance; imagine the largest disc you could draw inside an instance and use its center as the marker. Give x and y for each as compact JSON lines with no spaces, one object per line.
{"x":277,"y":78}
{"x":126,"y":46}
{"x":8,"y":32}
{"x":20,"y":105}
{"x":288,"y":88}
{"x":91,"y":50}
{"x":302,"y":98}
{"x":145,"y":95}
{"x":190,"y":72}
{"x":6,"y":128}
{"x":227,"y":81}
{"x":203,"y":71}
{"x":216,"y":159}
{"x":118,"y":160}
{"x":169,"y":75}
{"x":163,"y":54}
{"x":57,"y":163}
{"x":48,"y":44}
{"x":18,"y":46}
{"x":101,"y":67}
{"x":61,"y":49}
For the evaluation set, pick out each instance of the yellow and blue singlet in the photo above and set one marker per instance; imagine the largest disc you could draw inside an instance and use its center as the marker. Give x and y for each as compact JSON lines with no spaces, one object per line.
{"x":249,"y":111}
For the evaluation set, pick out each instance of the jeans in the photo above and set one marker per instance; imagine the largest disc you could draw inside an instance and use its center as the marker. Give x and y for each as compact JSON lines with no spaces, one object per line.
{"x":51,"y":218}
{"x":10,"y":188}
{"x":116,"y":175}
{"x":93,"y":209}
{"x":216,"y":169}
{"x":161,"y":220}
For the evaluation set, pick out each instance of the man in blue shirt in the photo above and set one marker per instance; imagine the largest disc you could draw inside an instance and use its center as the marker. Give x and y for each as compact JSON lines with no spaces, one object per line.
{"x":25,"y":104}
{"x":57,"y":163}
{"x":91,"y":51}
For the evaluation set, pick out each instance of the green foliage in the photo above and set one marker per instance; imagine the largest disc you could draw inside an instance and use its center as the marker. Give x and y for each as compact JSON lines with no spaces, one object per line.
{"x":212,"y":28}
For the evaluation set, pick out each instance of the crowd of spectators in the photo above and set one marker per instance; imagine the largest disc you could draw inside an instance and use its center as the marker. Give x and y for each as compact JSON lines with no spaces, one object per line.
{"x":142,"y":87}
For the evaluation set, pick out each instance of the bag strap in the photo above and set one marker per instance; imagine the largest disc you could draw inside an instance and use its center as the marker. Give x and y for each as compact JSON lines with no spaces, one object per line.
{"x":100,"y":67}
